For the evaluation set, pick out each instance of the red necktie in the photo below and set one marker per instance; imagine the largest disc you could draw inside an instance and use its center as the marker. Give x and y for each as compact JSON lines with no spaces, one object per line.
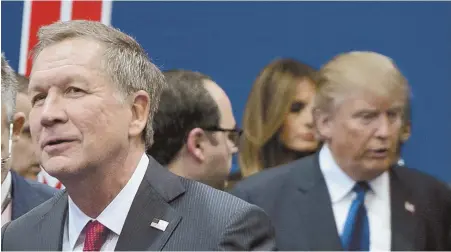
{"x":95,"y":236}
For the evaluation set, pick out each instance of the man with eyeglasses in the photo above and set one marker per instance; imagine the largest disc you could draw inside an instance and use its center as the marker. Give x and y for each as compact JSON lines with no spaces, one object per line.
{"x":195,"y":130}
{"x":18,"y":195}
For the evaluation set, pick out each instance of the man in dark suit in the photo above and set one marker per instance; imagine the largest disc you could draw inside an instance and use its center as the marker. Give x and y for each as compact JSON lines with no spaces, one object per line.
{"x":350,"y":196}
{"x":94,"y":93}
{"x":18,"y":195}
{"x":198,"y":145}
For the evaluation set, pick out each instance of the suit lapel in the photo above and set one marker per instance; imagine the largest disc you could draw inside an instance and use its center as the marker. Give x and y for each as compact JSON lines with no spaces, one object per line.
{"x":313,"y":206}
{"x":158,"y":189}
{"x":404,"y":220}
{"x":51,"y":225}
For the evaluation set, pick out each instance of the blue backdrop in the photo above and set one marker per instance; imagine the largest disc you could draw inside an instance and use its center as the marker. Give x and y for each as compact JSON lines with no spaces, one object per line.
{"x":232,"y":41}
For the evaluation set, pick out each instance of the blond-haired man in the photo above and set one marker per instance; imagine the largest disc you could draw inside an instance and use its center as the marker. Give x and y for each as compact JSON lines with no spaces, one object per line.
{"x":351,"y":195}
{"x":94,"y":92}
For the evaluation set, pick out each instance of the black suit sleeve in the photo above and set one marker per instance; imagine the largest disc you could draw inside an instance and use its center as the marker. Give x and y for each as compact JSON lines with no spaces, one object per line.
{"x":250,"y":229}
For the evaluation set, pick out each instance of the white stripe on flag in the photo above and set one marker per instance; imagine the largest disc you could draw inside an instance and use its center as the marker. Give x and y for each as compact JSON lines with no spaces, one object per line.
{"x":107,"y":6}
{"x":66,"y":10}
{"x":23,"y":56}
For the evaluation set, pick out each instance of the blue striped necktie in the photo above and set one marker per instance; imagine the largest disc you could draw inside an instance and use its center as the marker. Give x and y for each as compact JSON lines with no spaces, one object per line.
{"x":356,"y":233}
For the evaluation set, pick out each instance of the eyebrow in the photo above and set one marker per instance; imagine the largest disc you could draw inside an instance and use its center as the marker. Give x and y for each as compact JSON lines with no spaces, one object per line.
{"x":396,"y":108}
{"x":61,"y":82}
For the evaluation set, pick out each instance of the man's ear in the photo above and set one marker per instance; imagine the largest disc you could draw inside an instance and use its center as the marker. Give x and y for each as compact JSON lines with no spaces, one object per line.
{"x":18,"y":122}
{"x":196,"y":143}
{"x":140,"y":112}
{"x":405,"y":132}
{"x":323,"y":124}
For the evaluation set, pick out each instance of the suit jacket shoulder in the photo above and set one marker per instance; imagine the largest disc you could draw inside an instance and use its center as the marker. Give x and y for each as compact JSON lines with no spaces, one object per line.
{"x":197,"y":217}
{"x":434,"y":200}
{"x":237,"y":224}
{"x":31,"y":222}
{"x":425,"y":188}
{"x":270,"y":181}
{"x":412,"y":177}
{"x":28,"y":194}
{"x":45,"y":191}
{"x":296,"y":198}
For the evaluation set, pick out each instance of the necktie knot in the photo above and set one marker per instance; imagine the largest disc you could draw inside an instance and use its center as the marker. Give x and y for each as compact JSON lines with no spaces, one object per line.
{"x":361,"y":187}
{"x":95,"y":236}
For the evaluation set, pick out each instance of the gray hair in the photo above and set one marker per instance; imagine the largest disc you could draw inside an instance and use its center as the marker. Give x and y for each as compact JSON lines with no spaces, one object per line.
{"x":9,"y":88}
{"x":124,"y":60}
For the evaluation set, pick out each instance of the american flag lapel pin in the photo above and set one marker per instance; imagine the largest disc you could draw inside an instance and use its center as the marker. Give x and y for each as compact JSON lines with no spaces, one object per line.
{"x":159,"y":224}
{"x":409,"y":207}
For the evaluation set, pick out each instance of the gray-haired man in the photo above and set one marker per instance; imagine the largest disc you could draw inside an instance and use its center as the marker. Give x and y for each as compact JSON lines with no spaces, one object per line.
{"x":94,"y":93}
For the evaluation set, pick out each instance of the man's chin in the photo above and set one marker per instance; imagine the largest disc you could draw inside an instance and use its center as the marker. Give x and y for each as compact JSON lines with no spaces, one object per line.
{"x":58,"y":166}
{"x":375,"y":169}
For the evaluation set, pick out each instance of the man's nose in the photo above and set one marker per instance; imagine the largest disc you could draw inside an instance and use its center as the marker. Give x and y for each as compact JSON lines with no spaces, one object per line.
{"x":383,"y":127}
{"x":53,"y":111}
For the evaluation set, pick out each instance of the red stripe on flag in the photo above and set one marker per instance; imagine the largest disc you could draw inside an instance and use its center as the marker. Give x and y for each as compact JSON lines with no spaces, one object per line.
{"x":42,"y":13}
{"x":87,"y":10}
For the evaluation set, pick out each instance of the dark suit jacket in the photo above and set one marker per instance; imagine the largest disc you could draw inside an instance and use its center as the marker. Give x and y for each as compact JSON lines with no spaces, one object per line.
{"x":200,"y":218}
{"x":296,"y":198}
{"x":27,"y":194}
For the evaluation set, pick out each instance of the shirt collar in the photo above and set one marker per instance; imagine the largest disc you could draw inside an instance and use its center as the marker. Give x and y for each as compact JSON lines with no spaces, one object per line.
{"x":114,"y":215}
{"x":380,"y":185}
{"x":340,"y":184}
{"x":77,"y":221}
{"x":6,"y":186}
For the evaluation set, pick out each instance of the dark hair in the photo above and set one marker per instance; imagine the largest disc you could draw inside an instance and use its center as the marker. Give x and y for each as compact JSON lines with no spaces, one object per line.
{"x":185,"y":104}
{"x":23,"y":82}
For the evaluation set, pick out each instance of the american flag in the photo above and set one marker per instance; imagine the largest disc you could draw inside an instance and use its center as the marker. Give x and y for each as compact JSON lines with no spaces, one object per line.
{"x":38,"y":13}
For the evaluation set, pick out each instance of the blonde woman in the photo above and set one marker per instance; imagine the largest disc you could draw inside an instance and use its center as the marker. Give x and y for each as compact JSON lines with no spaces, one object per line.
{"x":277,"y":123}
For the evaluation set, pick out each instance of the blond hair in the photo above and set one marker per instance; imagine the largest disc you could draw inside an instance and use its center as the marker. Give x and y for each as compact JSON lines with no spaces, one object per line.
{"x":9,"y":88}
{"x":124,"y":60}
{"x":358,"y":71}
{"x":268,"y":104}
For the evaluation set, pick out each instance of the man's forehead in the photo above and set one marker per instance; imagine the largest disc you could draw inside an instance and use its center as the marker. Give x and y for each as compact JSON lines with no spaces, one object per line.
{"x":69,"y":63}
{"x":223,"y":102}
{"x":369,"y":100}
{"x":77,"y":51}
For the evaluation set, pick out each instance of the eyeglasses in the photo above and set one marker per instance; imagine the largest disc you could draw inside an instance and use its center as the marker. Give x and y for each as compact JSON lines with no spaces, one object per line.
{"x":234,"y":134}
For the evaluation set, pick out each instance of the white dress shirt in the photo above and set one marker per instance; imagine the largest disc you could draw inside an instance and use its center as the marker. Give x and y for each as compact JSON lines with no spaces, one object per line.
{"x":6,"y":190}
{"x":377,"y":200}
{"x":113,"y":216}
